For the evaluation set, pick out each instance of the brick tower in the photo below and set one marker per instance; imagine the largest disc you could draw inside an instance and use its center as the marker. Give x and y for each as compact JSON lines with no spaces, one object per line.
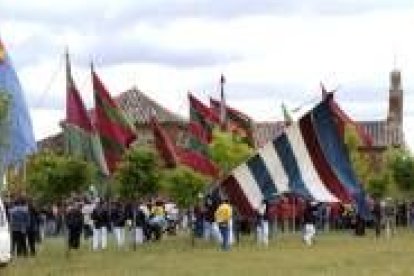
{"x":395,"y":107}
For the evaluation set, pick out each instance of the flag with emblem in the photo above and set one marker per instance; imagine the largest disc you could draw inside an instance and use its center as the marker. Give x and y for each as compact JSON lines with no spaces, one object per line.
{"x":237,"y":122}
{"x":164,"y":144}
{"x":200,"y":128}
{"x":174,"y":155}
{"x":114,"y":127}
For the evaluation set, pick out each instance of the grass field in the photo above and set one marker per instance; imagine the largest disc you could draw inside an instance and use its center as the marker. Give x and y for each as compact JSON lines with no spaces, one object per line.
{"x":333,"y":254}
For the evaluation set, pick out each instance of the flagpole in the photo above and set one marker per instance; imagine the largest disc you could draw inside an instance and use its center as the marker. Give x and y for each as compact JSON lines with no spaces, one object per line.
{"x":24,"y":174}
{"x":223,"y":115}
{"x":294,"y":214}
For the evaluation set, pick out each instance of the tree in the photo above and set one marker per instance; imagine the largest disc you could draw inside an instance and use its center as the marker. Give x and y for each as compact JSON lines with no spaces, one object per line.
{"x":402,"y":166}
{"x":378,"y":185}
{"x":360,"y":161}
{"x":53,"y":177}
{"x":228,"y":150}
{"x":396,"y":176}
{"x":184,"y":185}
{"x":137,"y":174}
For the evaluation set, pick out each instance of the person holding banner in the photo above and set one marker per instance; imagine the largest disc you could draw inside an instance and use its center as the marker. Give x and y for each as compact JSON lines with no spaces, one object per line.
{"x":309,"y":219}
{"x":223,"y":216}
{"x":262,"y":224}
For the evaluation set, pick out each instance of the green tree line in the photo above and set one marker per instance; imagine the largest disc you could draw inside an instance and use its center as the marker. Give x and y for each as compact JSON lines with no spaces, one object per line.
{"x":388,"y":174}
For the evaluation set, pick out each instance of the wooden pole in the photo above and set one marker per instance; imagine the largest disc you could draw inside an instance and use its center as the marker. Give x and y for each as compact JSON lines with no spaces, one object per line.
{"x":223,"y":107}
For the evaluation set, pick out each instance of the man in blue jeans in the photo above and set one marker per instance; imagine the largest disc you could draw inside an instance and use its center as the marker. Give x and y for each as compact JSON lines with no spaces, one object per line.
{"x":223,"y":216}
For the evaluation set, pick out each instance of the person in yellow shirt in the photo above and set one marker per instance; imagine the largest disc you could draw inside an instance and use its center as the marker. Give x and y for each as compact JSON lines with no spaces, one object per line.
{"x":223,"y":217}
{"x":157,"y":220}
{"x":158,"y":210}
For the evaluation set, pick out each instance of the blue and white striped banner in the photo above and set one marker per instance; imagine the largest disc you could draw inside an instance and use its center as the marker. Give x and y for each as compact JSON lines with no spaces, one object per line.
{"x":308,"y":159}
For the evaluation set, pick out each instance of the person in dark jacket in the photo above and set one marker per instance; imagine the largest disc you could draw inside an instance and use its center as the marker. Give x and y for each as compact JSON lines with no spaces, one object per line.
{"x":74,"y":224}
{"x":139,"y":223}
{"x":208,"y":217}
{"x":101,"y":221}
{"x":33,"y":228}
{"x":377,"y":215}
{"x":19,"y":223}
{"x":198,"y":221}
{"x":118,"y":219}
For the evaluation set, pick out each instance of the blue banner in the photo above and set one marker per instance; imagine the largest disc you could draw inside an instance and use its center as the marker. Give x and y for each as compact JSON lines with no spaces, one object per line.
{"x":17,"y":139}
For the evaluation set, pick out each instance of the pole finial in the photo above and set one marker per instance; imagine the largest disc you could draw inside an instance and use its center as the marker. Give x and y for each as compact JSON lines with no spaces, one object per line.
{"x":222,"y":79}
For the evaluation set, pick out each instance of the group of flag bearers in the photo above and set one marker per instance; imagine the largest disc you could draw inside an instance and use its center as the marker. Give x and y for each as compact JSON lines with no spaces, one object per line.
{"x":142,"y":222}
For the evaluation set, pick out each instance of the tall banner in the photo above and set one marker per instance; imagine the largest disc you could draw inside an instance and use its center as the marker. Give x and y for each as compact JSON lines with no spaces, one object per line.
{"x":81,"y":138}
{"x":16,"y":131}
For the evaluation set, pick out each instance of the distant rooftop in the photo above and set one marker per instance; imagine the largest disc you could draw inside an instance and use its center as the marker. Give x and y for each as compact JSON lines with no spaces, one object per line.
{"x":139,"y":107}
{"x":383,"y":133}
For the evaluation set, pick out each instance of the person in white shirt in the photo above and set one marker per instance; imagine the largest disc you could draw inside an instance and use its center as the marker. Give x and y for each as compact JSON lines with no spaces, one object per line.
{"x":87,"y":210}
{"x":262,"y":224}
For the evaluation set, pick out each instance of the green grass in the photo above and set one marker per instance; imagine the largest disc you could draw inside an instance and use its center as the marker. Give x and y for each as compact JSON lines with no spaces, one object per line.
{"x":333,"y":254}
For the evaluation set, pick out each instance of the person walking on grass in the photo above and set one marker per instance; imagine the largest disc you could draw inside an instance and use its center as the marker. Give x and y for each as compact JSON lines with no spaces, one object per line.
{"x":262,"y":224}
{"x":118,"y":219}
{"x":377,"y":215}
{"x":86,"y":210}
{"x":33,"y":228}
{"x":19,"y":223}
{"x":223,"y":216}
{"x":139,"y":224}
{"x":157,"y":220}
{"x":309,"y":220}
{"x":100,"y":217}
{"x":74,"y":224}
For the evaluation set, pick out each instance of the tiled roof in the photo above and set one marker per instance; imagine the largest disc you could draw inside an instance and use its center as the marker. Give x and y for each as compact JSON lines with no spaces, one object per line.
{"x":384,"y":133}
{"x":139,"y":107}
{"x":264,"y":132}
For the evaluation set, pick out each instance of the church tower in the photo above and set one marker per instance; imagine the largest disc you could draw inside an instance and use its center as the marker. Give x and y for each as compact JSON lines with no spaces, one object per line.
{"x":395,"y":106}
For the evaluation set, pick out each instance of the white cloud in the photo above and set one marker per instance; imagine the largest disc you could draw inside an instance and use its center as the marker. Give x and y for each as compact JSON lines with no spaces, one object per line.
{"x":280,"y":56}
{"x":46,"y":121}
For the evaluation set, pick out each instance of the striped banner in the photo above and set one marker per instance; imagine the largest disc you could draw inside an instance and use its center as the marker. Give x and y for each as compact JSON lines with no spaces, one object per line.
{"x":308,"y":159}
{"x":112,"y":124}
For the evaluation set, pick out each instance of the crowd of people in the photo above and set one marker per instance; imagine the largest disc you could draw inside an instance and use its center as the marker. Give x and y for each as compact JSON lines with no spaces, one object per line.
{"x":89,"y":218}
{"x":308,"y":216}
{"x":136,"y":222}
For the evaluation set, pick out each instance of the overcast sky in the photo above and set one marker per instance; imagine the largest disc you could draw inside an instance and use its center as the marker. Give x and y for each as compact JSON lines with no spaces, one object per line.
{"x":269,"y":51}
